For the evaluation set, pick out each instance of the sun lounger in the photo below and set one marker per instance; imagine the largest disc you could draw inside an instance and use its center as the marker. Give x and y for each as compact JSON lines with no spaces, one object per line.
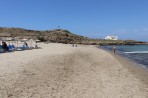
{"x":1,"y":49}
{"x":11,"y":48}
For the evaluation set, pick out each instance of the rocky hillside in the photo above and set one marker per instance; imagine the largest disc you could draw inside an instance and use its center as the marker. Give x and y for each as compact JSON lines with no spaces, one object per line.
{"x":61,"y":36}
{"x":57,"y":35}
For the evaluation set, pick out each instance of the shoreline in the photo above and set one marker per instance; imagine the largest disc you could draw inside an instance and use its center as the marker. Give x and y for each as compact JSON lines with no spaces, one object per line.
{"x":139,"y":70}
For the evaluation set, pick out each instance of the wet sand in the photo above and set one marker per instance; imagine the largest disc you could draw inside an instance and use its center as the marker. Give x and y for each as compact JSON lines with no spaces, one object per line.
{"x":138,"y":70}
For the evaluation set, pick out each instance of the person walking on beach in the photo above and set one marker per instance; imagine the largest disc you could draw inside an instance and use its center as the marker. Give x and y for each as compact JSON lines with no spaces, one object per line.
{"x":114,"y":49}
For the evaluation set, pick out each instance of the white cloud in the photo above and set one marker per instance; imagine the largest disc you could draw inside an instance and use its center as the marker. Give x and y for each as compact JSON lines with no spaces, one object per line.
{"x":135,"y":34}
{"x":121,"y":31}
{"x":136,"y":30}
{"x":145,"y":29}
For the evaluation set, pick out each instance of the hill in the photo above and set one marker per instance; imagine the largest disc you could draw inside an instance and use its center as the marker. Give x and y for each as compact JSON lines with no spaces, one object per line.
{"x":57,"y":35}
{"x":61,"y":36}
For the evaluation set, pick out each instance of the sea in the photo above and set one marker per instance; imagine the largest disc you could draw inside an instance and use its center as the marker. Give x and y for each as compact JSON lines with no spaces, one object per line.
{"x":136,"y":53}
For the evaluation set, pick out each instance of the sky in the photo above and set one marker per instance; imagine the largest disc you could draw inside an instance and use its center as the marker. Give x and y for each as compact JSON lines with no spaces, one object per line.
{"x":127,"y":19}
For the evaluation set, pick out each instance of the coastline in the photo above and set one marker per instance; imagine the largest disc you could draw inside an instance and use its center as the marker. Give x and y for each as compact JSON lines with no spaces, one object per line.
{"x":140,"y":71}
{"x":63,"y":71}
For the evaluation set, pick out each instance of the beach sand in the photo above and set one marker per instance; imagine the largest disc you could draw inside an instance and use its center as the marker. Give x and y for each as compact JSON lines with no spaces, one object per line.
{"x":63,"y":71}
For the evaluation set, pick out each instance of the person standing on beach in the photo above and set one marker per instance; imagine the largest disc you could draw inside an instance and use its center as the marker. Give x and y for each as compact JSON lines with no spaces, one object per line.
{"x":114,"y":49}
{"x":5,"y":47}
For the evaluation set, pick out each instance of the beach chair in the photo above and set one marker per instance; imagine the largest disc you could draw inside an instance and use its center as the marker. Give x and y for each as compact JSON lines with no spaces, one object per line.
{"x":26,"y":47}
{"x":1,"y":49}
{"x":18,"y":48}
{"x":11,"y":48}
{"x":4,"y":51}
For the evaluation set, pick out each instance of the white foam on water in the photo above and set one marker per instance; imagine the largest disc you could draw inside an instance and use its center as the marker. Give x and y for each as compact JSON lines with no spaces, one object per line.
{"x":136,"y":52}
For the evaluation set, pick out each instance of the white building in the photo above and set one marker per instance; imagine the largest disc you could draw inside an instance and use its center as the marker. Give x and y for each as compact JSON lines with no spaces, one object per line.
{"x":111,"y":38}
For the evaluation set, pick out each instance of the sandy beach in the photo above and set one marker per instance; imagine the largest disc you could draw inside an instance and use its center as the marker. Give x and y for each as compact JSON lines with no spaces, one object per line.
{"x":63,"y":71}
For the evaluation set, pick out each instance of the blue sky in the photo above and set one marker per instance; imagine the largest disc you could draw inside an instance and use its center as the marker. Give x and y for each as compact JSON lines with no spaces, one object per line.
{"x":128,"y":19}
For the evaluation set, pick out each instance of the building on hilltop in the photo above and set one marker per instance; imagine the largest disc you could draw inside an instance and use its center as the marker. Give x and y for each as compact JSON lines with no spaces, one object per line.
{"x":111,"y":38}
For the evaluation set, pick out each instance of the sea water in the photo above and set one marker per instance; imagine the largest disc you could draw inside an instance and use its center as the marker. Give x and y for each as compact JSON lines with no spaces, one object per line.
{"x":137,"y":53}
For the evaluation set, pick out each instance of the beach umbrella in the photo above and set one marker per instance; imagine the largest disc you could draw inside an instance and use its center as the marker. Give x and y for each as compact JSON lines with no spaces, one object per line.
{"x":17,"y":39}
{"x":24,"y":39}
{"x":31,"y":40}
{"x":8,"y":39}
{"x":37,"y":40}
